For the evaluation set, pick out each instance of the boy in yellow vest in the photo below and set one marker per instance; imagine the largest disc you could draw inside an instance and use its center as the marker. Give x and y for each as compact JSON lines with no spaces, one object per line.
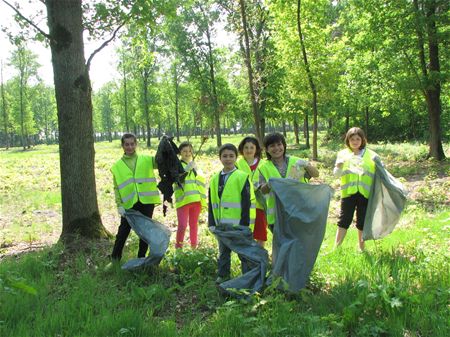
{"x":134,"y":188}
{"x":230,"y":199}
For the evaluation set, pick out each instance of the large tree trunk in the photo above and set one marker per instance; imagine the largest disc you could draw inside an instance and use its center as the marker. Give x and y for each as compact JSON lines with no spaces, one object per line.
{"x":81,"y":216}
{"x":310,"y":80}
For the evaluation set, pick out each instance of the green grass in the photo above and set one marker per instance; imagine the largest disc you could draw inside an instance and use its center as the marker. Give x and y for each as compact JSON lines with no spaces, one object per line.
{"x":398,"y":287}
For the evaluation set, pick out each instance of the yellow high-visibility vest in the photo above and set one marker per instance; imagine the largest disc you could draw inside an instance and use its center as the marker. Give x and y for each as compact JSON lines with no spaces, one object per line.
{"x":351,"y":182}
{"x":242,"y":165}
{"x":138,"y":185}
{"x":268,"y":170}
{"x":227,"y":209}
{"x":193,"y":189}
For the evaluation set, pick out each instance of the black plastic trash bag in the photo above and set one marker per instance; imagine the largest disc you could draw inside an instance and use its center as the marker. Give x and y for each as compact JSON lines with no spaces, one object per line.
{"x":301,"y":218}
{"x":386,"y":203}
{"x":240,"y":240}
{"x":151,"y":231}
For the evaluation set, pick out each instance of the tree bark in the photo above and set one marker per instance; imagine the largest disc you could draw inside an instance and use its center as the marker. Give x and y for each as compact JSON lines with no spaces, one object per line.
{"x":81,"y":216}
{"x":248,"y":62}
{"x":125,"y":97}
{"x":214,"y":98}
{"x":4,"y":110}
{"x":296,"y":130}
{"x":366,"y":119}
{"x":431,"y":75}
{"x":310,"y":80}
{"x":306,"y":130}
{"x":177,"y":92}
{"x":145,"y":76}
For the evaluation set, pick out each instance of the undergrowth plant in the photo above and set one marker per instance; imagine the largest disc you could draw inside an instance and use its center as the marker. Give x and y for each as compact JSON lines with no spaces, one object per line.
{"x":398,"y":287}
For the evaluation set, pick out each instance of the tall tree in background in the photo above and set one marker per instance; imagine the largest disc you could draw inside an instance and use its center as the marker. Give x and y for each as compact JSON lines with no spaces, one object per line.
{"x":24,"y":61}
{"x":44,"y":110}
{"x":310,"y":80}
{"x":4,"y":106}
{"x":426,"y":12}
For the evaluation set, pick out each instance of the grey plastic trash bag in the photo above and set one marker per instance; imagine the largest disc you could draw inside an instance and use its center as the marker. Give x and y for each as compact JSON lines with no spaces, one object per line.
{"x":151,"y":231}
{"x":301,"y":218}
{"x":240,"y":240}
{"x":386,"y":203}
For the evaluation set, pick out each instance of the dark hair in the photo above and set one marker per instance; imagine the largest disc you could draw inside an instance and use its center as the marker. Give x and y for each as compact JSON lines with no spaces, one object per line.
{"x":254,"y":141}
{"x":273,"y":138}
{"x":185,"y":144}
{"x":228,"y":146}
{"x":126,"y":136}
{"x":356,"y":131}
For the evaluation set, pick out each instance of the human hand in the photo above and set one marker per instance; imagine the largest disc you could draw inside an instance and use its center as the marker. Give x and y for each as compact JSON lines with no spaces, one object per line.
{"x":265,"y":188}
{"x":301,"y":163}
{"x":121,"y":210}
{"x":191,"y":166}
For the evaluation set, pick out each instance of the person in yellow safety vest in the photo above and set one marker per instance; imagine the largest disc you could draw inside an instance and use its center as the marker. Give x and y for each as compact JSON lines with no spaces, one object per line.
{"x":189,"y":198}
{"x":134,"y":188}
{"x":279,"y":165}
{"x":250,"y":150}
{"x":230,"y":197}
{"x":356,"y":168}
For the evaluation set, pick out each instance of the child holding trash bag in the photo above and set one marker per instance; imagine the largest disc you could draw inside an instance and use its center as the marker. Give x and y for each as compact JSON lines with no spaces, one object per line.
{"x":134,"y":188}
{"x":356,"y":167}
{"x":279,"y":165}
{"x":230,"y":200}
{"x":250,"y":150}
{"x":190,"y":197}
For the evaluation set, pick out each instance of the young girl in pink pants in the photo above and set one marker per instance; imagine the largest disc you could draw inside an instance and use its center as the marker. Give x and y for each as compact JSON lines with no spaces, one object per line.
{"x":190,"y":198}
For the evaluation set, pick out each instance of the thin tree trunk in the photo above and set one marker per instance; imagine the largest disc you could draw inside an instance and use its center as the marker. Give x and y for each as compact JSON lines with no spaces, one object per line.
{"x":366,"y":118}
{"x":306,"y":130}
{"x":310,"y":79}
{"x":5,"y":111}
{"x":177,"y":117}
{"x":125,"y":98}
{"x":214,"y":91}
{"x":146,"y":110}
{"x":432,"y":87}
{"x":296,"y":130}
{"x":248,"y":62}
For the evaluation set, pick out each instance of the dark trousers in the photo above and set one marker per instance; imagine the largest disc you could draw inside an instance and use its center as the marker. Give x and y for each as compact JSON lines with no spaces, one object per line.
{"x":224,"y":262}
{"x":124,"y":231}
{"x":348,"y":205}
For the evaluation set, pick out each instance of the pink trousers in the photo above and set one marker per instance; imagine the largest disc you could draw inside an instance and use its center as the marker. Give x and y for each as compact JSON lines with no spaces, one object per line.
{"x":188,"y":213}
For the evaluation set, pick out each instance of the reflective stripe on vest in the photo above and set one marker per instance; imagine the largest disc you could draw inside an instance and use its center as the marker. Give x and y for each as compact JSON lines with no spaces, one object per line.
{"x":269,"y":170}
{"x":137,"y":186}
{"x":351,"y":182}
{"x":193,"y":190}
{"x":227,"y":209}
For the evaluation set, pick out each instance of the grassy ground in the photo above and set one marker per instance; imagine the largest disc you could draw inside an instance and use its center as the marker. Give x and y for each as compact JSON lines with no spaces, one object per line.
{"x":399,"y":287}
